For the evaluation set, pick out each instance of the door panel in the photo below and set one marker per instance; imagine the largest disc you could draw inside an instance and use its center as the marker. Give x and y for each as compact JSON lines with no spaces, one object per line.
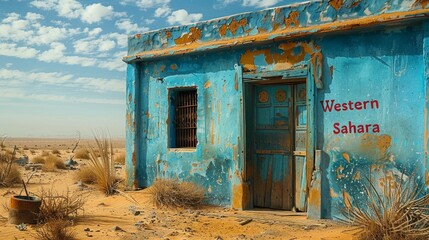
{"x":273,"y":178}
{"x":300,"y":146}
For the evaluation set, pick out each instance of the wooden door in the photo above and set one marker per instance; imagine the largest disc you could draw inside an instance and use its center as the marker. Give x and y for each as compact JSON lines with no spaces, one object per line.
{"x":300,"y":146}
{"x":273,"y":169}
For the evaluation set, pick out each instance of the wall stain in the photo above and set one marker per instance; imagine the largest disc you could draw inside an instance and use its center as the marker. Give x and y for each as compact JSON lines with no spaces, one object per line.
{"x":336,"y":4}
{"x":232,"y":27}
{"x":193,"y":36}
{"x":292,"y":20}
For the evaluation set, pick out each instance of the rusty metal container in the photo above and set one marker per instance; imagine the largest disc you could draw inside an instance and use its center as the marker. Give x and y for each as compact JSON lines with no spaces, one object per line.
{"x":24,"y":209}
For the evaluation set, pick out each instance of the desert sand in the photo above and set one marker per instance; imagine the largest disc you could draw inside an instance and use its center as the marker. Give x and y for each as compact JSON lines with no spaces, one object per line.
{"x":118,"y":217}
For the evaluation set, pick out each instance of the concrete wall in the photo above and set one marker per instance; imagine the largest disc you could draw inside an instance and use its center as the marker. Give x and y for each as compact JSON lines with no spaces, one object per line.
{"x":378,"y":76}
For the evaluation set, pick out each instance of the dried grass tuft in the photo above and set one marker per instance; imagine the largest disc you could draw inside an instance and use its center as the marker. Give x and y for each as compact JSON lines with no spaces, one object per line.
{"x":44,"y":154}
{"x":398,"y":211}
{"x":86,"y":175}
{"x":56,"y":151}
{"x":120,"y":158}
{"x":9,"y":171}
{"x":55,"y":229}
{"x":38,"y":159}
{"x":52,"y":163}
{"x":60,"y":206}
{"x":170,"y":193}
{"x":103,"y":166}
{"x":82,"y":153}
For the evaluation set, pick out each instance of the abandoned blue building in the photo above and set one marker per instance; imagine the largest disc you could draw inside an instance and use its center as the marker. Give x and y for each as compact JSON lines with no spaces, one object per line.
{"x":285,"y":108}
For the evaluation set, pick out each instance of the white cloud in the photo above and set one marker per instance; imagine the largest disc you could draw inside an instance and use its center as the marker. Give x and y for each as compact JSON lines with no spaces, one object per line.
{"x":224,"y":3}
{"x":27,"y":95}
{"x":94,"y":32}
{"x":181,"y":16}
{"x":162,"y":11}
{"x":129,"y":27}
{"x":19,"y":78}
{"x":260,"y":3}
{"x":69,"y":8}
{"x":44,"y":4}
{"x":149,"y":21}
{"x":33,"y":16}
{"x":96,"y":12}
{"x":30,"y":31}
{"x":72,"y":9}
{"x":145,"y":4}
{"x":106,"y":46}
{"x":56,"y":54}
{"x":11,"y":50}
{"x":116,"y":63}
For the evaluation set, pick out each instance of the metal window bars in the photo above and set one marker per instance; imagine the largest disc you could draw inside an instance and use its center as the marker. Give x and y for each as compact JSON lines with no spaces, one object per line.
{"x":186,"y":119}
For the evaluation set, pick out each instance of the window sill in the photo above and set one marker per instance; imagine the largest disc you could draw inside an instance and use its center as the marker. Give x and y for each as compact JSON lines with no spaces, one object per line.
{"x":182,"y":149}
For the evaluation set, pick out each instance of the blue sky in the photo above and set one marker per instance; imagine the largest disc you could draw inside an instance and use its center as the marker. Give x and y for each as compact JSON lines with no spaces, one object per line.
{"x":60,"y":60}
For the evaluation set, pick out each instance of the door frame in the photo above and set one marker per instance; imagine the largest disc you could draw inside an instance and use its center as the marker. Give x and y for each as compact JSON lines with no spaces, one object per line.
{"x":268,"y":77}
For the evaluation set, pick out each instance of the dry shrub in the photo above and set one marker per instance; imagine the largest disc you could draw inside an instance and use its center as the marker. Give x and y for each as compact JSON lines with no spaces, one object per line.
{"x":86,"y":175}
{"x":9,"y":172}
{"x":56,"y":151}
{"x":60,"y":206}
{"x":44,"y":154}
{"x":32,"y":151}
{"x":55,"y":229}
{"x":52,"y":163}
{"x":398,"y":211}
{"x":170,"y":193}
{"x":38,"y":159}
{"x":103,"y":167}
{"x":120,"y":158}
{"x":82,"y":153}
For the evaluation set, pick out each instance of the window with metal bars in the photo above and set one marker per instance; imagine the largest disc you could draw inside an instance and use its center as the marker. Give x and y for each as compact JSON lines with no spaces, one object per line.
{"x":183,"y":132}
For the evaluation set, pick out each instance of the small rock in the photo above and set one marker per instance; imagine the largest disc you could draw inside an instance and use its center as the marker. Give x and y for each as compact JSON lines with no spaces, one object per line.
{"x":136,"y":213}
{"x":88,"y":235}
{"x":175,"y":233}
{"x":87,"y":230}
{"x":188,"y":229}
{"x":218,"y":238}
{"x":117,"y":229}
{"x":21,"y":227}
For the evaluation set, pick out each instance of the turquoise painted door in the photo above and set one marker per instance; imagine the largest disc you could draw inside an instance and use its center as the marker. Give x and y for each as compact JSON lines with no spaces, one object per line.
{"x":299,"y":153}
{"x":273,"y":176}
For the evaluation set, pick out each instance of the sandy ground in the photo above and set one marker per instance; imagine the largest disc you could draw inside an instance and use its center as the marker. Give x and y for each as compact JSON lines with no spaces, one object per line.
{"x":114,"y":217}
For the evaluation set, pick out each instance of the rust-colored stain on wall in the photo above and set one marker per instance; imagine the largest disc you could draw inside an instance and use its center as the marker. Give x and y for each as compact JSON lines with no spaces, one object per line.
{"x":293,"y":52}
{"x":336,"y":4}
{"x":193,"y":35}
{"x":232,"y":27}
{"x":423,"y":3}
{"x":292,"y":20}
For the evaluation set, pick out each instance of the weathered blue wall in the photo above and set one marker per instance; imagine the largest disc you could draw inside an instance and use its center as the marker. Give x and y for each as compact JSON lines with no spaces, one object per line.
{"x":385,"y":64}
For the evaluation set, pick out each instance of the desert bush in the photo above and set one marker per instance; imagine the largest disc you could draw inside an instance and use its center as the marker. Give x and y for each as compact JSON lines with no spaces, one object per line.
{"x":44,"y":154}
{"x":32,"y":151}
{"x":3,"y":142}
{"x":56,"y":151}
{"x":55,"y":229}
{"x":52,"y":163}
{"x":103,"y":167}
{"x":120,"y":158}
{"x":172,"y":193}
{"x":38,"y":159}
{"x":82,"y":153}
{"x":63,"y":206}
{"x":397,"y":211}
{"x":86,"y":175}
{"x":9,"y":172}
